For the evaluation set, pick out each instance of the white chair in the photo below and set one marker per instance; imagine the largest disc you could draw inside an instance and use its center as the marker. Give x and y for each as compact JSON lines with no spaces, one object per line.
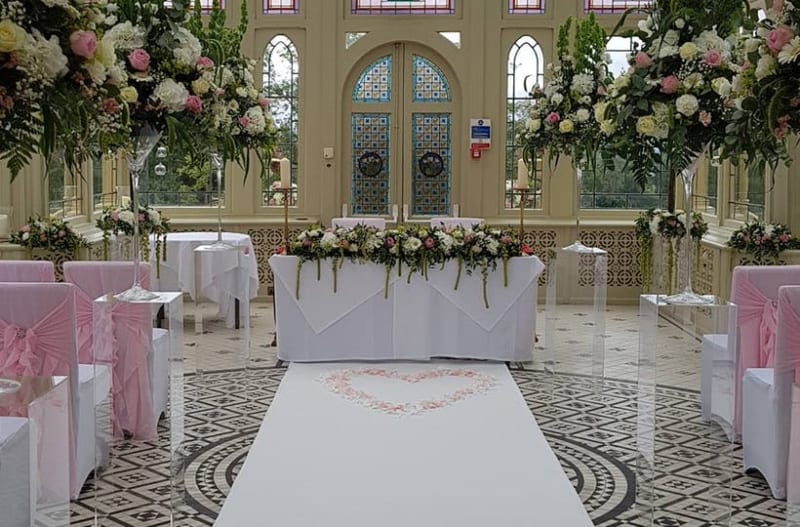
{"x":38,"y":321}
{"x":754,"y":290}
{"x":26,"y":271}
{"x":767,"y":399}
{"x":15,"y":487}
{"x":142,"y":390}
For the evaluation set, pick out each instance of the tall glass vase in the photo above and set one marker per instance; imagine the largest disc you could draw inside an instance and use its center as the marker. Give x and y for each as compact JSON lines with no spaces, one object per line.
{"x":219,"y":245}
{"x":577,"y":246}
{"x":145,"y":141}
{"x":687,"y":294}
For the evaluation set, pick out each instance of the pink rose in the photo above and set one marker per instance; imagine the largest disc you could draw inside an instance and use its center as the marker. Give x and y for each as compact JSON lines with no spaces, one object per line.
{"x":25,"y":228}
{"x":552,"y":118}
{"x":713,"y":58}
{"x":783,"y":238}
{"x":115,"y":216}
{"x":139,"y":59}
{"x":779,"y":37}
{"x":642,"y":60}
{"x":429,"y":243}
{"x":205,"y":63}
{"x":670,"y":84}
{"x":243,"y":121}
{"x":705,"y":118}
{"x":263,"y":102}
{"x":110,"y":105}
{"x":83,"y":43}
{"x":194,"y":104}
{"x":62,"y":233}
{"x":389,"y":242}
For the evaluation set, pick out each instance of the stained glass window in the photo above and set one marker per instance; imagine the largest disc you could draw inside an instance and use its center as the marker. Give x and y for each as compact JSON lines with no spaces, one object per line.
{"x":525,"y":7}
{"x":431,"y":167}
{"x":375,"y":82}
{"x":370,"y":163}
{"x":613,"y":6}
{"x":281,"y":7}
{"x":430,"y":84}
{"x":403,"y":7}
{"x":281,"y":83}
{"x":525,"y":70}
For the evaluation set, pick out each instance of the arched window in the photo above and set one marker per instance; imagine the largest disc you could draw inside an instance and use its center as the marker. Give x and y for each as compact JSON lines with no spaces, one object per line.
{"x":281,"y":87}
{"x":525,"y":69}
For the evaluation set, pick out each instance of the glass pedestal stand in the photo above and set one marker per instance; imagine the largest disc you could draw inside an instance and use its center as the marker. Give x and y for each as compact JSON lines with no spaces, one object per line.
{"x":669,"y":343}
{"x":161,"y":383}
{"x":207,"y":258}
{"x":219,"y":245}
{"x":577,"y":282}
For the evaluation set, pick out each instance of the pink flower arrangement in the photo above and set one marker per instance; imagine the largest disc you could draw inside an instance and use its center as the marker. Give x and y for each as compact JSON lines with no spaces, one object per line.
{"x":428,"y":243}
{"x":205,"y":63}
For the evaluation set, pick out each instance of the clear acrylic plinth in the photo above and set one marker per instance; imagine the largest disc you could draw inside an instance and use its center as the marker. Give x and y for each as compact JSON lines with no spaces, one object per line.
{"x":142,"y":407}
{"x":136,"y":293}
{"x":793,"y":476}
{"x":575,"y":309}
{"x":212,"y":261}
{"x":670,"y":338}
{"x":35,"y":452}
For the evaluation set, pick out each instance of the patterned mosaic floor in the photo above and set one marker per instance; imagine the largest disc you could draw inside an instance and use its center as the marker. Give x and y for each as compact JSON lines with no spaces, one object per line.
{"x":592,"y":433}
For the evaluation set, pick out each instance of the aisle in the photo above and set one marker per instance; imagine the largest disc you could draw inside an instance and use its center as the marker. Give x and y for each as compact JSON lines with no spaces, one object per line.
{"x":428,"y":445}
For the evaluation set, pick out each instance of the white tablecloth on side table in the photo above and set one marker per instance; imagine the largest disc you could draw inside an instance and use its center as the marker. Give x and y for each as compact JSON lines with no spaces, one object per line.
{"x":230,"y":275}
{"x":418,"y":321}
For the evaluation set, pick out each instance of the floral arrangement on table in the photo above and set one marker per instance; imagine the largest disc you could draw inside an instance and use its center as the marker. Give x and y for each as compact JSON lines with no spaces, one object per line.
{"x":50,"y":234}
{"x":562,"y":117}
{"x":418,"y":248}
{"x":763,"y":242}
{"x":59,"y":89}
{"x":120,"y":220}
{"x":766,"y":92}
{"x":236,"y":116}
{"x":671,"y":228}
{"x":670,"y":106}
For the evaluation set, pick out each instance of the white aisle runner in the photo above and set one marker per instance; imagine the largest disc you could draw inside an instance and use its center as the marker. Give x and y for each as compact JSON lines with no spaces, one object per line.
{"x":400,"y":445}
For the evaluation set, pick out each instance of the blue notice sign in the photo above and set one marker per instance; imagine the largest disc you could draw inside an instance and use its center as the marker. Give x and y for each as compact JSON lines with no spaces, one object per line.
{"x":481,"y":132}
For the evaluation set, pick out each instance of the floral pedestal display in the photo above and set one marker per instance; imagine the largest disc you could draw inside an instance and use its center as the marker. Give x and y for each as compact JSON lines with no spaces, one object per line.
{"x":119,"y":223}
{"x":762,"y":243}
{"x":51,"y":240}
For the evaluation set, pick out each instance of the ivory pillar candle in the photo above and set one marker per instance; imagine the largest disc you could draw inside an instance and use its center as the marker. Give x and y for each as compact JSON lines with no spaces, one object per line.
{"x":394,"y":212}
{"x":522,"y":175}
{"x":455,"y":210}
{"x":286,"y":173}
{"x":405,"y":212}
{"x":344,"y":210}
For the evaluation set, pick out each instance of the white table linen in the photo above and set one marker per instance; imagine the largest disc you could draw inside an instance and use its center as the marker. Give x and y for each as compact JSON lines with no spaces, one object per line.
{"x":349,"y":223}
{"x":449,"y":223}
{"x":229,"y":275}
{"x":15,"y":482}
{"x":418,"y":321}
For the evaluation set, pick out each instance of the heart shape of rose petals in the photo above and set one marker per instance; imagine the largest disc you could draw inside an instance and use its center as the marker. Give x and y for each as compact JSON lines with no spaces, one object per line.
{"x":341,"y":382}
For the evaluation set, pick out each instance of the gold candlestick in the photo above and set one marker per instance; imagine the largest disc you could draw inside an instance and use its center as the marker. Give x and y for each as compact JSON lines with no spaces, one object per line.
{"x":286,"y":192}
{"x":523,"y":194}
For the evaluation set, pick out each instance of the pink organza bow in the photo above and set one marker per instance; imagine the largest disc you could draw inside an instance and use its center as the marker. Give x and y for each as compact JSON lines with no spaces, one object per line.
{"x":39,"y":349}
{"x":754,"y":307}
{"x":789,"y":357}
{"x":20,"y":345}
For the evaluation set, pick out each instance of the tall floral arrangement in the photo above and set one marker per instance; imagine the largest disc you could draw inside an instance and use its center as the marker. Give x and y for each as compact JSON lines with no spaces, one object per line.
{"x":236,"y":117}
{"x":562,"y":119}
{"x":766,"y":92}
{"x":59,"y":89}
{"x":51,"y":234}
{"x":669,"y":107}
{"x":762,"y":242}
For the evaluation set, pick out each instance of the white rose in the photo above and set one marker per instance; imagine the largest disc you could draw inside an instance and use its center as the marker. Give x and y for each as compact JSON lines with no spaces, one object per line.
{"x":252,"y":93}
{"x":688,"y":50}
{"x":687,"y":104}
{"x":43,"y":58}
{"x":534,"y":125}
{"x":256,"y":122}
{"x":680,"y":23}
{"x":751,"y":45}
{"x":644,"y":26}
{"x":126,"y":216}
{"x":765,"y":67}
{"x":96,"y":71}
{"x":721,"y":86}
{"x":667,"y":51}
{"x":671,"y":37}
{"x":116,"y":75}
{"x":566,"y":126}
{"x":556,"y":98}
{"x":171,"y":94}
{"x":200,"y":86}
{"x":241,"y":92}
{"x":582,"y":115}
{"x":188,"y":49}
{"x":412,"y":244}
{"x":155,"y":217}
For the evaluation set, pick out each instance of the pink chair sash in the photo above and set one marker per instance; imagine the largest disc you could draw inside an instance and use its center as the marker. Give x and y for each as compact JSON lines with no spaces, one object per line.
{"x":755,"y":307}
{"x":788,"y":356}
{"x":38,"y":350}
{"x":124,"y":342}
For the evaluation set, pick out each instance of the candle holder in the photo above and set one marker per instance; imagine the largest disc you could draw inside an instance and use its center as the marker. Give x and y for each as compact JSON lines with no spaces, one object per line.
{"x":523,"y":196}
